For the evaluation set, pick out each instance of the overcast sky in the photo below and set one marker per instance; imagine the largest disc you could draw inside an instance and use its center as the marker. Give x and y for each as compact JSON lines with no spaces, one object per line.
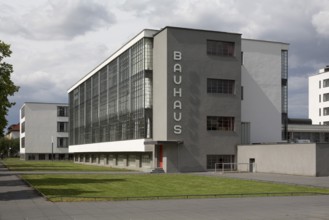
{"x":57,"y":42}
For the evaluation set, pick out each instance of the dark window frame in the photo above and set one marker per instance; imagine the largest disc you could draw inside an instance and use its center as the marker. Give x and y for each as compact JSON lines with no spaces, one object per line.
{"x":220,"y":48}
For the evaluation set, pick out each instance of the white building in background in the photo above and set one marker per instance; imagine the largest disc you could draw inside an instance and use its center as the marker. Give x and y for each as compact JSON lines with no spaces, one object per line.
{"x":318,"y":97}
{"x":44,"y":131}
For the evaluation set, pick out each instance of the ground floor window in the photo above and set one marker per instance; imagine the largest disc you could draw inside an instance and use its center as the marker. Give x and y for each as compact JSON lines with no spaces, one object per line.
{"x":42,"y":156}
{"x":219,"y":161}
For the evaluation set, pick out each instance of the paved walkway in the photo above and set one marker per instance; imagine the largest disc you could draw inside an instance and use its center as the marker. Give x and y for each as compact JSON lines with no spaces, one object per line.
{"x":18,"y":201}
{"x":322,"y":182}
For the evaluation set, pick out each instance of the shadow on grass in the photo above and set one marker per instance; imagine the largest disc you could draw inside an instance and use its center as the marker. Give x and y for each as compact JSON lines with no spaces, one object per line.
{"x":66,"y":192}
{"x":53,"y":181}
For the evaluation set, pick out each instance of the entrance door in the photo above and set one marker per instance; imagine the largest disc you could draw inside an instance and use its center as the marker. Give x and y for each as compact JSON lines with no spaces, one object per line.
{"x":251,"y":164}
{"x":160,"y":156}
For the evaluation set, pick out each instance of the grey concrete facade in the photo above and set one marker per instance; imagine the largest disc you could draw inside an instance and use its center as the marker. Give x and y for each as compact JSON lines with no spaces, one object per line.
{"x":296,"y":159}
{"x":193,"y":141}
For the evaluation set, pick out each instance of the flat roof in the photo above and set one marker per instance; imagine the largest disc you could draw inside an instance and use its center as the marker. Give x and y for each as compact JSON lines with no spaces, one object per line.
{"x":195,"y":29}
{"x":308,"y":128}
{"x":144,"y":33}
{"x":265,"y":41}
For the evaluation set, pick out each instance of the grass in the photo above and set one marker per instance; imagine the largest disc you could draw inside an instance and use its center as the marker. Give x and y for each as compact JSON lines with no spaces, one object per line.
{"x":15,"y":164}
{"x":83,"y":187}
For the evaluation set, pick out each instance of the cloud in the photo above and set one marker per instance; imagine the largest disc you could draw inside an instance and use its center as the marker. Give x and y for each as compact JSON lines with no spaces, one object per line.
{"x":57,"y":20}
{"x":321,"y":24}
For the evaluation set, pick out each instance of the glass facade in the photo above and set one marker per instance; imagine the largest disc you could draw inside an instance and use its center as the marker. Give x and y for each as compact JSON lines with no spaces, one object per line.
{"x":115,"y":103}
{"x":284,"y":93}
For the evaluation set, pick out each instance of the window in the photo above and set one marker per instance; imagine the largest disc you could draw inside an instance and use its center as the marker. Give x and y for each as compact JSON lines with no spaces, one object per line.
{"x":218,"y":123}
{"x":319,"y":111}
{"x":62,"y":142}
{"x":326,"y":97}
{"x":220,"y":48}
{"x":23,"y":127}
{"x":62,"y":111}
{"x":62,"y":126}
{"x":23,"y":142}
{"x":319,"y":84}
{"x":23,"y":112}
{"x":325,"y":83}
{"x":222,"y":86}
{"x":326,"y":123}
{"x":219,"y":161}
{"x":326,"y":111}
{"x":320,"y":98}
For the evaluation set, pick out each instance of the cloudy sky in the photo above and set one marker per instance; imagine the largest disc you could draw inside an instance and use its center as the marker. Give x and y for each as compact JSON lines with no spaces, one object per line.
{"x":56,"y":42}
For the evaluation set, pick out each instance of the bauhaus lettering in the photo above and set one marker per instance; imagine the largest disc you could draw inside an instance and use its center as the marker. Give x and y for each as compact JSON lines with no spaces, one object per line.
{"x":177,"y":92}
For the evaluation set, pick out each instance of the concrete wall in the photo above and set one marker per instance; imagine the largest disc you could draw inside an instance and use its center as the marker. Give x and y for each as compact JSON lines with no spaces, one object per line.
{"x":196,"y":103}
{"x":261,"y":81}
{"x":40,"y":126}
{"x":297,"y":159}
{"x":322,"y":159}
{"x":160,"y":78}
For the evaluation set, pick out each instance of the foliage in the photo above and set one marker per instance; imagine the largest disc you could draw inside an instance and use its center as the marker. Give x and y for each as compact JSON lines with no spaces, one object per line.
{"x":7,"y":87}
{"x":9,"y":147}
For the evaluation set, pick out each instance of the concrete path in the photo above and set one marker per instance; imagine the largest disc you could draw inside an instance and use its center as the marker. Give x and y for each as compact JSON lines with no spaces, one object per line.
{"x":322,"y":182}
{"x":18,"y":201}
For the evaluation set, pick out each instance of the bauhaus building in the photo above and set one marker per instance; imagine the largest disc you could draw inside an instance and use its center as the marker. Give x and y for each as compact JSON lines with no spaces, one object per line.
{"x":179,"y":99}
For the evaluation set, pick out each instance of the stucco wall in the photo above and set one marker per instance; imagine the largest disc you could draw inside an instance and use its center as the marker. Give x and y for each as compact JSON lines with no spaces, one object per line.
{"x":40,"y":126}
{"x":297,"y":159}
{"x":261,"y":82}
{"x":322,"y":159}
{"x":196,"y":103}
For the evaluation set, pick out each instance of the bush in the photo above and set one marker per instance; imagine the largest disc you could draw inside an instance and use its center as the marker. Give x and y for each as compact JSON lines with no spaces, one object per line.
{"x":9,"y":147}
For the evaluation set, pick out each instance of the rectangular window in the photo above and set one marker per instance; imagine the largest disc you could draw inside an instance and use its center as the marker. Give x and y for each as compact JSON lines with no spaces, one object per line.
{"x":326,"y":97}
{"x":23,"y":112}
{"x":326,"y":111}
{"x":218,"y":123}
{"x":320,"y":84}
{"x":319,"y":111}
{"x":62,"y":111}
{"x":62,"y":142}
{"x":62,"y":126}
{"x":325,"y":83}
{"x":326,"y":123}
{"x":320,"y":98}
{"x":23,"y":142}
{"x":222,"y":86}
{"x":220,"y":161}
{"x":23,"y":127}
{"x":220,"y":48}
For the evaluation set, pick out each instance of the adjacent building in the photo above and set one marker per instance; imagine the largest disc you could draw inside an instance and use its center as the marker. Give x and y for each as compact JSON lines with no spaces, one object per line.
{"x":44,"y":131}
{"x":318,"y":97}
{"x":12,"y":132}
{"x":180,"y":100}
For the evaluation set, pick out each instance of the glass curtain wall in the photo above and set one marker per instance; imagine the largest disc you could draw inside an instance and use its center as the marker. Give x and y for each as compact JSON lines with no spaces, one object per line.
{"x":115,"y":103}
{"x":284,"y":93}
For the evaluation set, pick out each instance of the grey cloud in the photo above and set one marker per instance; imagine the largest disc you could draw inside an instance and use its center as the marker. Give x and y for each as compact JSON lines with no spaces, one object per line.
{"x":58,"y":20}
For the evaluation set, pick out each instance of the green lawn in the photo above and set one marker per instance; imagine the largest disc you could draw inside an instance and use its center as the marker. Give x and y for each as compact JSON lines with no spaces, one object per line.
{"x":128,"y":185}
{"x":15,"y":164}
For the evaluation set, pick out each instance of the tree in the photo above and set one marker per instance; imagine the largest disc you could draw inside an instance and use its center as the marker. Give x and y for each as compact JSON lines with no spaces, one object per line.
{"x":9,"y":147}
{"x":7,"y":87}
